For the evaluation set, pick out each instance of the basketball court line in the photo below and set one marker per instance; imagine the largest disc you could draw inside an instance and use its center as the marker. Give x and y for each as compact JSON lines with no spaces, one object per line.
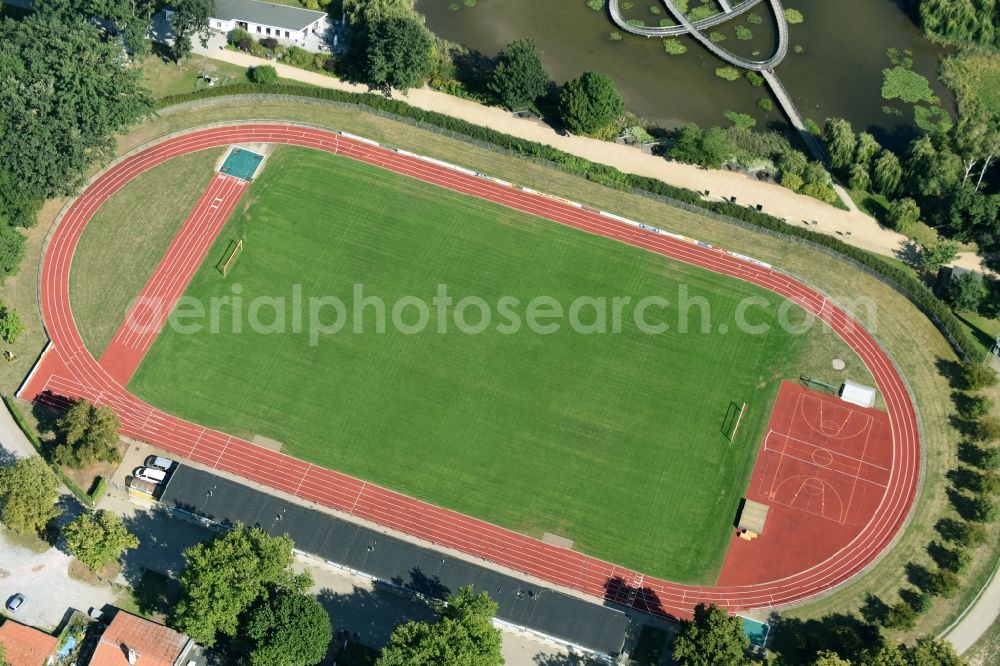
{"x":814,"y":470}
{"x":861,"y":461}
{"x":800,"y":411}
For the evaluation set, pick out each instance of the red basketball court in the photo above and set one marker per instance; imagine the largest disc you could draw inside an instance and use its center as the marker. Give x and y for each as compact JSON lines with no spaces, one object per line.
{"x":823,"y":468}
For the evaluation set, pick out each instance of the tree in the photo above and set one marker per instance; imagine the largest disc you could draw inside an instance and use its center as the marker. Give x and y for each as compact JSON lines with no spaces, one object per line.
{"x":464,"y":635}
{"x":976,"y":376}
{"x":590,"y":103}
{"x":190,"y":18}
{"x":901,"y":616}
{"x":262,"y":75}
{"x":128,"y":18}
{"x":866,"y":149}
{"x":930,"y":651}
{"x":936,"y":255}
{"x":903,"y":215}
{"x":976,"y":406}
{"x":712,"y":637}
{"x":943,"y":583}
{"x":840,"y":142}
{"x":961,"y":21}
{"x":887,"y":173}
{"x":987,"y":429}
{"x":288,"y":628}
{"x":858,"y":178}
{"x":398,"y":55}
{"x":793,"y":161}
{"x":982,"y":509}
{"x":11,"y":326}
{"x":90,"y":434}
{"x":27,"y":495}
{"x":931,"y":170}
{"x":966,"y":292}
{"x":54,"y":126}
{"x":225,"y":576}
{"x":519,"y":77}
{"x":826,"y":658}
{"x":99,"y":538}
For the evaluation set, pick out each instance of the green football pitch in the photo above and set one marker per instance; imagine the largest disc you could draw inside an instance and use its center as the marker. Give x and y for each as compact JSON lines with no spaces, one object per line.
{"x":616,"y":441}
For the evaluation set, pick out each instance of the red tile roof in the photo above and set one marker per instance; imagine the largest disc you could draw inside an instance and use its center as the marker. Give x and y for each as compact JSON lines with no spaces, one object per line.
{"x":155,"y":644}
{"x":26,"y":646}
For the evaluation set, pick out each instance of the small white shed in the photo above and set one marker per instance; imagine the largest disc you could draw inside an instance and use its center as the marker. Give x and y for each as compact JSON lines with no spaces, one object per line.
{"x":858,"y":394}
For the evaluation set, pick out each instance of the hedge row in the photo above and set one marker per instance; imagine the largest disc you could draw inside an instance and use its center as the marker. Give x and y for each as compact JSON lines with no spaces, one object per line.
{"x":898,"y":278}
{"x":88,"y":499}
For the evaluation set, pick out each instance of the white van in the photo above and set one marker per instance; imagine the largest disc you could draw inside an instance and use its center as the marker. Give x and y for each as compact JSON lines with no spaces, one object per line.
{"x":159,"y":462}
{"x":149,"y":474}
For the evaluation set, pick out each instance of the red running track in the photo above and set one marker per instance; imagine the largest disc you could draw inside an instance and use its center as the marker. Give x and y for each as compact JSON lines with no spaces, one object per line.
{"x":166,"y":285}
{"x":69,"y":371}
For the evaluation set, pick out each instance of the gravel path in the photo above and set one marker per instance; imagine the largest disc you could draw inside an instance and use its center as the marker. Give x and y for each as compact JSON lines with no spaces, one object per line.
{"x":852,"y":226}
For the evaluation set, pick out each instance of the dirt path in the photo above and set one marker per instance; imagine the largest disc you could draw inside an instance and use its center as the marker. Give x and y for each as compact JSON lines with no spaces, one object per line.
{"x":853,"y":226}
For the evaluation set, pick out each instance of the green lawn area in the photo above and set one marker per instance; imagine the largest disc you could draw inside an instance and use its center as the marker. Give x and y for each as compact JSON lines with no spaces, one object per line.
{"x":154,"y":206}
{"x":613,"y":440}
{"x":164,"y":77}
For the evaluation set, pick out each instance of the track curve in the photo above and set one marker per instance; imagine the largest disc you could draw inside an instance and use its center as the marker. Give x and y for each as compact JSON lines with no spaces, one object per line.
{"x":68,"y":369}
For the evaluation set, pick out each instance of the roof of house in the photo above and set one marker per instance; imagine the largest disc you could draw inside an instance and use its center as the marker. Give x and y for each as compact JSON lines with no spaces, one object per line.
{"x":264,"y":13}
{"x":154,"y":644}
{"x":26,"y":646}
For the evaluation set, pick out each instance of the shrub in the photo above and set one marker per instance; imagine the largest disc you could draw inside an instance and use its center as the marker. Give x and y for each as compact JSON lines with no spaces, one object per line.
{"x":755,"y":79}
{"x":262,"y":75}
{"x":743,"y":33}
{"x":246,"y":45}
{"x":674,"y":47}
{"x":269,"y":43}
{"x":330,"y":64}
{"x":792,"y":181}
{"x":765,"y":104}
{"x":727,"y":73}
{"x":238,"y":36}
{"x":11,"y":326}
{"x":794,"y":16}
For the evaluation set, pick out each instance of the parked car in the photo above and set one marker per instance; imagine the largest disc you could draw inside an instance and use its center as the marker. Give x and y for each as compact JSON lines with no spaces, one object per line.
{"x":15,"y":602}
{"x":149,"y":474}
{"x":159,"y":462}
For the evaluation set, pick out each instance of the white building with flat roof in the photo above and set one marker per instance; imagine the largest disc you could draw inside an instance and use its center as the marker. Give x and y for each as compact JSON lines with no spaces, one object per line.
{"x":290,"y":25}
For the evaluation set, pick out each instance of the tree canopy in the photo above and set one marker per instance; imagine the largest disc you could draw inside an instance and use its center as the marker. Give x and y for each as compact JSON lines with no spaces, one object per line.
{"x":398,"y":55}
{"x":98,"y":538}
{"x":65,"y":92}
{"x":225,"y":576}
{"x":287,"y":628}
{"x":712,"y":637}
{"x":189,"y":19}
{"x":464,"y":635}
{"x":90,"y":434}
{"x":590,"y":103}
{"x":27,"y":495}
{"x":519,"y":77}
